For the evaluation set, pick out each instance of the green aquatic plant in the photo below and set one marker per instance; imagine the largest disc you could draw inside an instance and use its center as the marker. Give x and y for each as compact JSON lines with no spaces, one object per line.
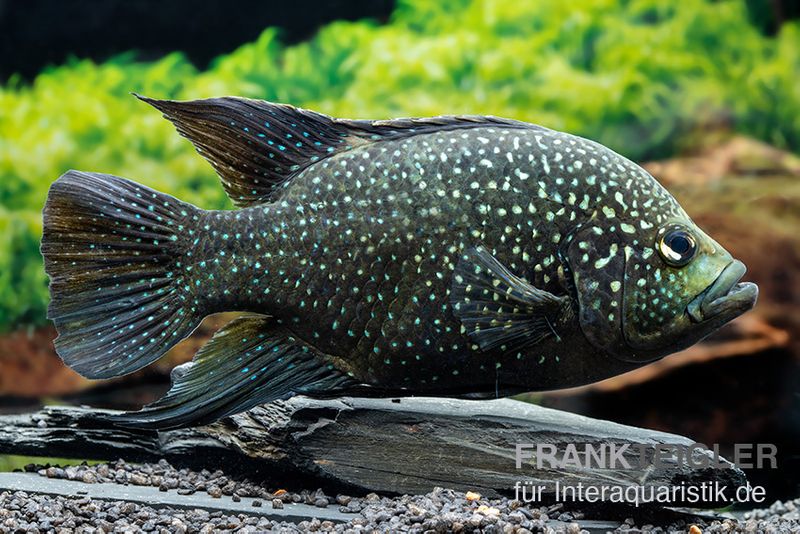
{"x":639,"y":76}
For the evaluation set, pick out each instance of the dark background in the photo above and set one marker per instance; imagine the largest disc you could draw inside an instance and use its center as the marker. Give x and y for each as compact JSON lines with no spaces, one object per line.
{"x":37,"y":33}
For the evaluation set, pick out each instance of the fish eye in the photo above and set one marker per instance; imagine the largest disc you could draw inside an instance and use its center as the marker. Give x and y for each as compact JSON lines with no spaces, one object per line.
{"x":677,"y":246}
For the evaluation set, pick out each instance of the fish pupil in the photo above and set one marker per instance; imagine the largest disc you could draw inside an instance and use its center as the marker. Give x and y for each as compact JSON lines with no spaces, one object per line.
{"x":680,"y":244}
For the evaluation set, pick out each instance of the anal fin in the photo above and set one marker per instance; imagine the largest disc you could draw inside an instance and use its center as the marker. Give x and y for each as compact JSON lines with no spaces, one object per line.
{"x":500,"y":310}
{"x":250,"y":361}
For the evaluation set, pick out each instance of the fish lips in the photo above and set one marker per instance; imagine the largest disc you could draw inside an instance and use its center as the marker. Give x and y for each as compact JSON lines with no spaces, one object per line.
{"x":726,"y":298}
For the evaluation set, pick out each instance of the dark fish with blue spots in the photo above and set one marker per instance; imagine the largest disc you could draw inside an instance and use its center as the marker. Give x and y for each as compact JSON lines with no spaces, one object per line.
{"x":459,"y":256}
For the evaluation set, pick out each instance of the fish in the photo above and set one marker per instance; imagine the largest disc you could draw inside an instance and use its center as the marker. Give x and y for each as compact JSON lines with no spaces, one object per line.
{"x":453,"y":256}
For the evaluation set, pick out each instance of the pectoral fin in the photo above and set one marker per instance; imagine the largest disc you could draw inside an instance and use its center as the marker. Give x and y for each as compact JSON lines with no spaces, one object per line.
{"x":499,"y":309}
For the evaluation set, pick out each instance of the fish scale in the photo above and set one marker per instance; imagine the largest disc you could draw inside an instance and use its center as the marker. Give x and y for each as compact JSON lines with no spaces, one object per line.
{"x":459,"y":256}
{"x":399,"y":220}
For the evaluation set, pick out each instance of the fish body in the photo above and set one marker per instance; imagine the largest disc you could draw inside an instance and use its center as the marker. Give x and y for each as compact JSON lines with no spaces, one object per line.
{"x":457,"y":256}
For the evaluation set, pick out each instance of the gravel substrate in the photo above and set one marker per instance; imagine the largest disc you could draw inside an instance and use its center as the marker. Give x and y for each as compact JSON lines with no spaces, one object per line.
{"x":21,"y":512}
{"x":440,"y":511}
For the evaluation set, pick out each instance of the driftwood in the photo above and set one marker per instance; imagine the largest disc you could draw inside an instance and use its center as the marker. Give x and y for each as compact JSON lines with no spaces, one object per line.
{"x":381,"y":445}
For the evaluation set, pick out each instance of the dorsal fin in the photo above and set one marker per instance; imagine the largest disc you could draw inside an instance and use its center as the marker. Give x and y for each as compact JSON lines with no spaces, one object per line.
{"x":256,"y":146}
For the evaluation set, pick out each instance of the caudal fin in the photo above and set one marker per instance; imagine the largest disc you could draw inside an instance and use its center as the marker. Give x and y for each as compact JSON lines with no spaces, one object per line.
{"x":113,"y":251}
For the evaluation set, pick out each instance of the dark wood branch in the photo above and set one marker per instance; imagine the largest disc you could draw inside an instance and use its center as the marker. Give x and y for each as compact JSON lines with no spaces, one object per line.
{"x":406,"y":446}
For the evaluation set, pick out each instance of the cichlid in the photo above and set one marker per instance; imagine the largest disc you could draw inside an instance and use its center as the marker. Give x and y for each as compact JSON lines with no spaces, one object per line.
{"x":468,"y":256}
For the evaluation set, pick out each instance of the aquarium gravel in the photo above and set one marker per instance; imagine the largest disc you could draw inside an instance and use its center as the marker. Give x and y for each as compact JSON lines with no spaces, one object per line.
{"x":441,"y":510}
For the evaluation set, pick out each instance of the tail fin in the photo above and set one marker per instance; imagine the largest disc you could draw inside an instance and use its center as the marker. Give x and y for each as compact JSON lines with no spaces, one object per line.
{"x":113,"y":250}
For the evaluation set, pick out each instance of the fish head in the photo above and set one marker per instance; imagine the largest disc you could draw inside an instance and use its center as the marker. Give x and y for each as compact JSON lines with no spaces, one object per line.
{"x":647,"y":293}
{"x":688,"y":288}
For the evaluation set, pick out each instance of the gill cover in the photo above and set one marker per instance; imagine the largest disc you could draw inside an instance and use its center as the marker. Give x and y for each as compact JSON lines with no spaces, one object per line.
{"x":654,"y":301}
{"x":596,"y":259}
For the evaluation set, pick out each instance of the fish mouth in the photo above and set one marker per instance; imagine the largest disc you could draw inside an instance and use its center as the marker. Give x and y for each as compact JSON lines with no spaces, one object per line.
{"x":726,"y":297}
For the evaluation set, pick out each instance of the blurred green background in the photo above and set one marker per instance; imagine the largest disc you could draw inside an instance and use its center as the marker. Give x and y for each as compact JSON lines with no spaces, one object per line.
{"x":704,"y":93}
{"x":641,"y":76}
